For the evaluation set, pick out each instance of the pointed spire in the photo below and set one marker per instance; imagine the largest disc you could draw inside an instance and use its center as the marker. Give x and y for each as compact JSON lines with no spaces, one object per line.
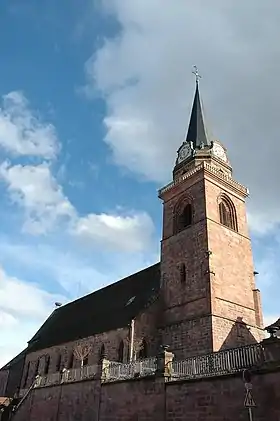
{"x":197,"y":132}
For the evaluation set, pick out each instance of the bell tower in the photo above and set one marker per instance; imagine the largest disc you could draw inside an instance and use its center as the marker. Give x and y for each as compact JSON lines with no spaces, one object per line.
{"x":210,"y":301}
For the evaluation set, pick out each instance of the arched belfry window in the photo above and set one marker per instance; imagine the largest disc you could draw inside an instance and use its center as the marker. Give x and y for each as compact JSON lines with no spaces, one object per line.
{"x":227,"y":213}
{"x":183,"y":216}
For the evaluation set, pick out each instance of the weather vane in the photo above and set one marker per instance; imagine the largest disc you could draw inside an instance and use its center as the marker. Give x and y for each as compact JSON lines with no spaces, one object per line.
{"x":196,"y":73}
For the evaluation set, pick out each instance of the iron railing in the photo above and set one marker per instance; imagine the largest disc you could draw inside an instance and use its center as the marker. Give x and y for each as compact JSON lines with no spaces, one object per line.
{"x":66,"y":376}
{"x":48,"y":380}
{"x":215,"y":364}
{"x":120,"y":371}
{"x":78,"y":374}
{"x":218,"y":363}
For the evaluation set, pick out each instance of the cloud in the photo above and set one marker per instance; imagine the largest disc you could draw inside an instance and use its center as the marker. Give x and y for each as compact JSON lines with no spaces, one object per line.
{"x":21,"y":304}
{"x":129,"y":233}
{"x":6,"y":319}
{"x":35,"y":190}
{"x":38,"y":193}
{"x":21,"y":130}
{"x":25,"y":305}
{"x":142,"y":73}
{"x":23,"y":299}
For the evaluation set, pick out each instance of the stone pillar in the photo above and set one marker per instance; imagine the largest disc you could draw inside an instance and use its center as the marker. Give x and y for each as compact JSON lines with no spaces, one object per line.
{"x":104,"y":369}
{"x":258,"y":307}
{"x":164,"y":362}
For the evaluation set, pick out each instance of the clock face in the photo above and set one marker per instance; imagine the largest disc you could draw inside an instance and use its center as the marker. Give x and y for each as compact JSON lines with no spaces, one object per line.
{"x":184,"y":152}
{"x":219,"y":152}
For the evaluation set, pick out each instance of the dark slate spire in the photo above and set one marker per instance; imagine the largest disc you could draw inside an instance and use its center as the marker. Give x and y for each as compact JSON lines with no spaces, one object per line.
{"x":196,"y":131}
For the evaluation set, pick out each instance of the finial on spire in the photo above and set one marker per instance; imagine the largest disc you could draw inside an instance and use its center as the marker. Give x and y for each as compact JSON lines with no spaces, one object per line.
{"x":196,"y":73}
{"x":197,"y":133}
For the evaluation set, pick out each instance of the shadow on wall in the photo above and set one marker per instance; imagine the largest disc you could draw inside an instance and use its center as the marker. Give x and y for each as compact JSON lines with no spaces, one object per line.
{"x":239,"y":335}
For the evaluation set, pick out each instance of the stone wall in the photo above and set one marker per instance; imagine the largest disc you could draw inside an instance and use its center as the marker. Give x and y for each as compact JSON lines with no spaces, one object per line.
{"x":222,"y":399}
{"x":159,"y":397}
{"x":151,"y":399}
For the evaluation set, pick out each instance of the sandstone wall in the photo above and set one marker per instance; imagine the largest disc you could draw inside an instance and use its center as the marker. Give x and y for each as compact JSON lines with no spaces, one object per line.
{"x":151,"y":399}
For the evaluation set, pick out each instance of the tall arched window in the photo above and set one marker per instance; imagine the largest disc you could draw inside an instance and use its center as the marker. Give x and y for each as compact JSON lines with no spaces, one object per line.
{"x":102,"y":353}
{"x":47,"y":364}
{"x":120,"y":352}
{"x":70,"y":362}
{"x":227,"y":213}
{"x":36,"y":371}
{"x":183,"y":216}
{"x":58,"y":362}
{"x":143,"y":353}
{"x":182,"y":269}
{"x":24,"y":383}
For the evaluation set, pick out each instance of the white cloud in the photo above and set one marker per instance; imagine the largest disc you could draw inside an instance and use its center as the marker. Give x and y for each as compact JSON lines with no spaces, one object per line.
{"x":21,"y":130}
{"x":35,"y":189}
{"x":21,"y":304}
{"x":6,"y":319}
{"x":128,"y":233}
{"x":37,"y":192}
{"x":23,"y":299}
{"x":144,"y":74}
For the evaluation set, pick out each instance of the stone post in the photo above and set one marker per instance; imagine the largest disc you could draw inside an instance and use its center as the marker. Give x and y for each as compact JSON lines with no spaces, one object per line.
{"x":104,"y":369}
{"x":164,"y":362}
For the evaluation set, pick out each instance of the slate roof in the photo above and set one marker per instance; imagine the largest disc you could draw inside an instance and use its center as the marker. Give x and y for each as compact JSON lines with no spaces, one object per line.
{"x":107,"y":309}
{"x":275,"y":326}
{"x":197,"y":132}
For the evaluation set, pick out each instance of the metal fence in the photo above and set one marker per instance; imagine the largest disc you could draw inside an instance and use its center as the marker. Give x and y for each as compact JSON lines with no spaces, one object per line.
{"x":119,"y":371}
{"x":67,"y":376}
{"x":77,"y":374}
{"x":218,"y":363}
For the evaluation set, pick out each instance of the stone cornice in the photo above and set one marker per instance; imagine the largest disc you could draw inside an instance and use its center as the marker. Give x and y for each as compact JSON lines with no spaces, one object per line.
{"x":211,"y":171}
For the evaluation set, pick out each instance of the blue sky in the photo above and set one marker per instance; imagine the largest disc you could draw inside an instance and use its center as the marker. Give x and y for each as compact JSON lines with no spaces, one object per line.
{"x":95,"y":101}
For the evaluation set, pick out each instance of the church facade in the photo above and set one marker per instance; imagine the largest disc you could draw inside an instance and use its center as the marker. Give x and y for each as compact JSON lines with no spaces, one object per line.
{"x":170,"y":340}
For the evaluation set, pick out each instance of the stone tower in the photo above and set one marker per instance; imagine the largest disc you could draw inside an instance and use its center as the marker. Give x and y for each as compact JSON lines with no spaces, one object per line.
{"x":210,"y":301}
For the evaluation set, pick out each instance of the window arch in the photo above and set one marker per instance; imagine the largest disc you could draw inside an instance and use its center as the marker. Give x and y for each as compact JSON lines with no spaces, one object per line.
{"x":143,"y":352}
{"x":183,"y":215}
{"x":227,"y":213}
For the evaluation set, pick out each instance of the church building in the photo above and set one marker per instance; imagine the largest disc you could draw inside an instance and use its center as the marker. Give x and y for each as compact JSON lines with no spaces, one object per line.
{"x":183,"y":328}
